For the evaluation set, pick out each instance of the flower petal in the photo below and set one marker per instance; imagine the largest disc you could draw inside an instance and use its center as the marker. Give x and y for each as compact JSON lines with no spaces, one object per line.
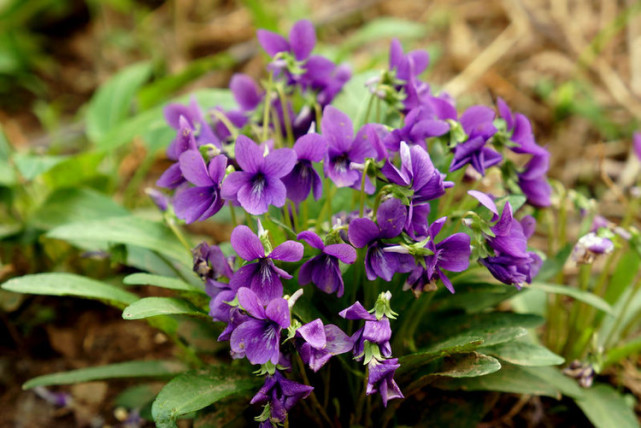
{"x":356,"y":312}
{"x":271,"y":42}
{"x":193,"y":168}
{"x":279,"y":163}
{"x":249,"y":302}
{"x":343,"y":252}
{"x":311,"y":238}
{"x":288,"y":251}
{"x":191,"y":203}
{"x":302,"y":39}
{"x":338,"y":129}
{"x":313,"y":333}
{"x":455,"y":252}
{"x":246,"y":92}
{"x":391,"y":217}
{"x":311,"y":147}
{"x":362,"y":231}
{"x":246,"y":243}
{"x":248,"y":154}
{"x":278,"y":312}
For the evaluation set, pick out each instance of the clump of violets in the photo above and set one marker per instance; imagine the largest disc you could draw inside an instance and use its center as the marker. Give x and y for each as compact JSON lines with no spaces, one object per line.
{"x":316,"y":200}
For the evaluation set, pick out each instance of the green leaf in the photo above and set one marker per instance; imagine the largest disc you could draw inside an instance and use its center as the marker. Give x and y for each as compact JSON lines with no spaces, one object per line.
{"x":125,"y":230}
{"x":383,"y":28}
{"x":73,"y":170}
{"x":31,"y":166}
{"x":468,"y":365}
{"x":606,"y":408}
{"x":160,"y":281}
{"x":512,"y":379}
{"x":67,"y":284}
{"x":154,"y":306}
{"x":493,"y":327}
{"x":553,"y":265}
{"x":129,"y":369}
{"x":72,"y":205}
{"x":617,"y":354}
{"x":353,"y":98}
{"x":583,"y":296}
{"x":523,"y":353}
{"x":474,"y":297}
{"x":454,"y":345}
{"x":111,"y":103}
{"x":623,"y":277}
{"x":196,"y":390}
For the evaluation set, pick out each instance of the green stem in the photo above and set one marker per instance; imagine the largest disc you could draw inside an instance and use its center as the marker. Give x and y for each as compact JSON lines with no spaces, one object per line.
{"x":296,"y":226}
{"x":267,"y":101}
{"x":286,"y":118}
{"x":224,"y":119}
{"x":364,"y":177}
{"x":370,"y":103}
{"x":312,"y":396}
{"x":232,"y":211}
{"x":573,"y":328}
{"x":172,"y":225}
{"x":617,"y":323}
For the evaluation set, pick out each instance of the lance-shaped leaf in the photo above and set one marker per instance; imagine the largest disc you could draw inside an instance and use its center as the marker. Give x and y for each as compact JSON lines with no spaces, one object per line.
{"x":580,"y":295}
{"x":67,"y":284}
{"x":129,"y":369}
{"x":161,"y":281}
{"x":523,"y":353}
{"x":606,"y":408}
{"x":154,"y":306}
{"x":196,"y":390}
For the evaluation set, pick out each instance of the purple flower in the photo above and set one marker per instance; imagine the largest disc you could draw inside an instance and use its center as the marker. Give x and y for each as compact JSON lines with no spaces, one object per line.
{"x":381,"y":379}
{"x":281,"y":394}
{"x":417,"y":172}
{"x":259,"y":184}
{"x":363,"y":232}
{"x":513,"y":270}
{"x":173,"y":177}
{"x":303,"y":178}
{"x":196,"y":121}
{"x":407,"y":65}
{"x":420,"y":124}
{"x":203,"y":200}
{"x":302,"y":39}
{"x":246,"y":92}
{"x":159,"y":199}
{"x":591,"y":246}
{"x":374,"y":331}
{"x":533,"y":180}
{"x":510,"y":235}
{"x":477,"y":124}
{"x":451,"y":254}
{"x":521,"y":130}
{"x":262,"y":277}
{"x":321,"y":342}
{"x":258,"y":337}
{"x":343,"y":149}
{"x":210,"y":262}
{"x":324,"y":270}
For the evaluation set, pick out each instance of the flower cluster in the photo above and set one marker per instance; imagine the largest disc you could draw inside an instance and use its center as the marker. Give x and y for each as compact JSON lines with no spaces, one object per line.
{"x":267,"y":158}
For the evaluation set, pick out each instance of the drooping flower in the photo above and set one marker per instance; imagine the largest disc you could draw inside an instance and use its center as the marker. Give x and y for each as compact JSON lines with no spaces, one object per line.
{"x":184,"y":141}
{"x":196,"y":121}
{"x":477,"y":124}
{"x":533,"y":180}
{"x":262,"y":277}
{"x":302,"y":39}
{"x":512,"y":270}
{"x":363,"y":232}
{"x":451,"y":254}
{"x":321,"y":342}
{"x":374,"y":331}
{"x":203,"y":200}
{"x":259,"y":184}
{"x":323,"y":270}
{"x":381,"y":379}
{"x":258,"y":337}
{"x":211,"y":263}
{"x":591,"y":246}
{"x":304,"y":179}
{"x":520,"y":129}
{"x":281,"y":394}
{"x":246,"y":92}
{"x":344,"y":149}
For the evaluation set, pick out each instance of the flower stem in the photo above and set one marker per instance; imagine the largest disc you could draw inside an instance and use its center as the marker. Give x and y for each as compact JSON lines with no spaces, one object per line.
{"x":286,"y":118}
{"x":232,"y":211}
{"x":172,"y":225}
{"x":312,"y":396}
{"x":268,"y":93}
{"x":364,"y":177}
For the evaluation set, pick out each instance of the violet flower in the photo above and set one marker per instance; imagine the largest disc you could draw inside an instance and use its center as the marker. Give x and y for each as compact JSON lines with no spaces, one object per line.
{"x":259,"y":184}
{"x":258,"y":338}
{"x":381,"y":379}
{"x":262,"y":277}
{"x":512,"y":270}
{"x":303,"y":178}
{"x":419,"y":124}
{"x":451,"y":254}
{"x":477,"y":124}
{"x":246,"y":92}
{"x":344,"y":149}
{"x":417,"y":172}
{"x":302,"y":39}
{"x":520,"y":129}
{"x":281,"y":394}
{"x":321,"y":342}
{"x":196,"y":121}
{"x":591,"y":246}
{"x":184,"y":141}
{"x":324,"y":270}
{"x":533,"y":180}
{"x":210,"y":262}
{"x":374,"y":331}
{"x":203,"y":200}
{"x":363,"y":232}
